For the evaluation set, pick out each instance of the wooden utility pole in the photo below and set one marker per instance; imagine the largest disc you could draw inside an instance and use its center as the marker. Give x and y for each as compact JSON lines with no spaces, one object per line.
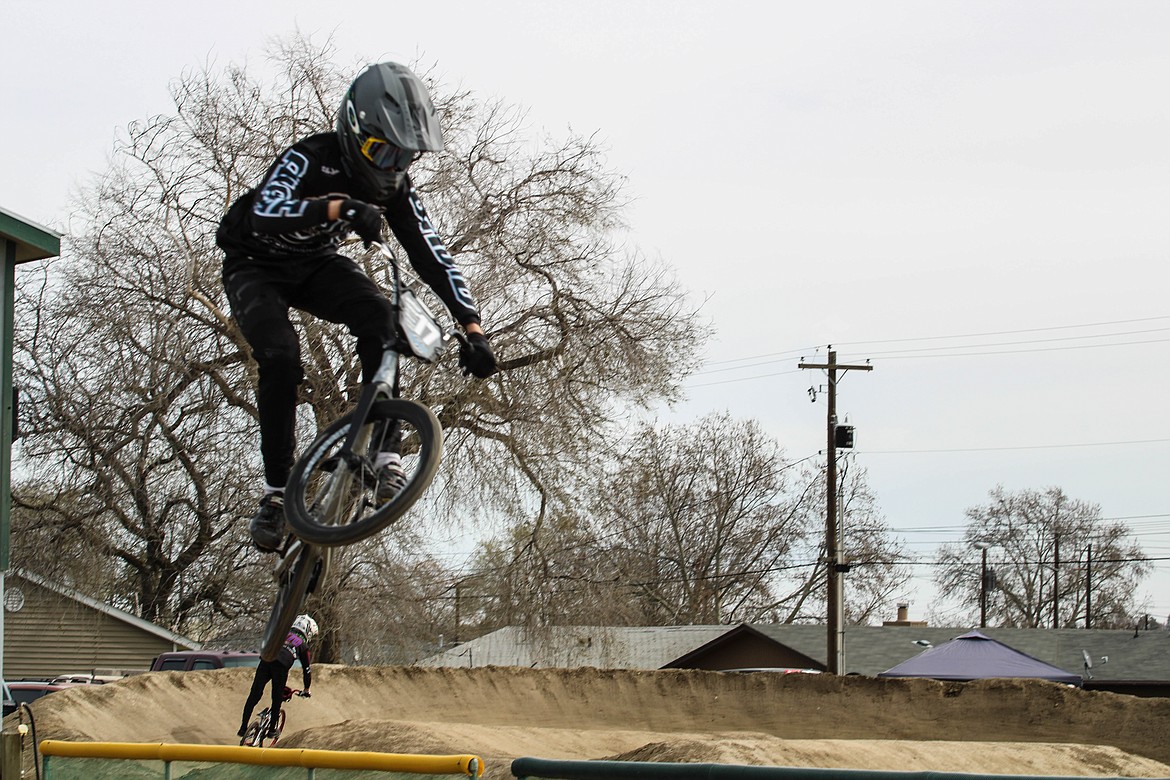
{"x":1056,"y":580}
{"x":1089,"y":587}
{"x":982,"y":546}
{"x":835,"y":595}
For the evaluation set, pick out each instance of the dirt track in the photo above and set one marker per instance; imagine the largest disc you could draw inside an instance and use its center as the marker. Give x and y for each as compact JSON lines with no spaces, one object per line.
{"x":994,"y":726}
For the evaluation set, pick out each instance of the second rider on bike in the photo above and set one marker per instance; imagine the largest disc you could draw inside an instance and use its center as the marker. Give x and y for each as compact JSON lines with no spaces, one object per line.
{"x":296,"y":648}
{"x":281,"y":244}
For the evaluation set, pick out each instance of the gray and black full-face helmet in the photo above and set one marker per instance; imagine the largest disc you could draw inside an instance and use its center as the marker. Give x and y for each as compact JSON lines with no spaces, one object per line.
{"x":386,"y":121}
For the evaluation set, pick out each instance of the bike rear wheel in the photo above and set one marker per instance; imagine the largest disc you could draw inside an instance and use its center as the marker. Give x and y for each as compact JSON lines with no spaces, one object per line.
{"x":330,"y":497}
{"x":293,"y":586}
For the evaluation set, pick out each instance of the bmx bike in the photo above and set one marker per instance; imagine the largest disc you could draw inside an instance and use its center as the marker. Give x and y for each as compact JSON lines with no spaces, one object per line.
{"x":262,"y":728}
{"x":331,"y":496}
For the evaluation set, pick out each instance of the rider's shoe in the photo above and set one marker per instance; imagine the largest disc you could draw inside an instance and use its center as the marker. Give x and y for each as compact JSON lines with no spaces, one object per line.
{"x":243,"y":730}
{"x":391,"y":481}
{"x":272,"y":733}
{"x":267,"y":526}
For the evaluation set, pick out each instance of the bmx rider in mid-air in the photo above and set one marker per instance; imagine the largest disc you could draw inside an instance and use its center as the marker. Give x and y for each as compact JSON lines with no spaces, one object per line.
{"x":281,"y":241}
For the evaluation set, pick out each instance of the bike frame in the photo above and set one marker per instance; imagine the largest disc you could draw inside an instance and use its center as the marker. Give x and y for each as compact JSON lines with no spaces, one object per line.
{"x":416,"y":333}
{"x":384,"y":383}
{"x":264,"y":721}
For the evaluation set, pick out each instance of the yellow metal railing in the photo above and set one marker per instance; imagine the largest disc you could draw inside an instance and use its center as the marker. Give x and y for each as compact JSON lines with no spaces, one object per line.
{"x":467,"y":765}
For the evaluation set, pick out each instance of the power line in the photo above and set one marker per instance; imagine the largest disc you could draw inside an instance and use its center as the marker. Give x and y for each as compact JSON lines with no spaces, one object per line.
{"x":789,"y":353}
{"x":744,"y":378}
{"x":895,"y":356}
{"x":1036,"y":341}
{"x":763,"y":359}
{"x":1020,"y":447}
{"x":1009,"y":332}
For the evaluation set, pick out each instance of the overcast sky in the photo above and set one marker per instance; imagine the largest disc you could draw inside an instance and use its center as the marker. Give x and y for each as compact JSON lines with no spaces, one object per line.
{"x":972,"y":195}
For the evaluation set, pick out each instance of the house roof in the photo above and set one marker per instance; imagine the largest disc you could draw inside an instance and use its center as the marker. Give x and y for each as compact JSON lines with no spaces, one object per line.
{"x":113,"y":612}
{"x":973,"y":656}
{"x":735,"y":634}
{"x":1132,"y":655}
{"x":603,"y":647}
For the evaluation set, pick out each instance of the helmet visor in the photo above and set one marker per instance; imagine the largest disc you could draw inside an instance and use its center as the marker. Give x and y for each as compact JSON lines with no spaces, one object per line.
{"x":385,"y":156}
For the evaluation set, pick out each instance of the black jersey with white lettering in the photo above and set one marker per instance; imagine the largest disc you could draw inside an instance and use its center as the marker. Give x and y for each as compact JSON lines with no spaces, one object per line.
{"x":286,"y":217}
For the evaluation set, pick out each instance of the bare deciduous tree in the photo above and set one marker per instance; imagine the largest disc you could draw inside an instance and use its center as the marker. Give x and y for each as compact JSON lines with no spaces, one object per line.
{"x":702,"y":516}
{"x":702,"y":523}
{"x":877,"y":572}
{"x":1038,"y":543}
{"x":139,"y":406}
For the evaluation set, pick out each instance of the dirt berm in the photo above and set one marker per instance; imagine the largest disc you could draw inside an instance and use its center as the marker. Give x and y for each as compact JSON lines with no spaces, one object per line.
{"x":990,"y":726}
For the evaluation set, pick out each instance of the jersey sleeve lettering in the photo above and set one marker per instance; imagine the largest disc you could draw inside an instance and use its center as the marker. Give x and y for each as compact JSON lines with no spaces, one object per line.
{"x":413,"y":228}
{"x":278,"y":207}
{"x":287,"y":216}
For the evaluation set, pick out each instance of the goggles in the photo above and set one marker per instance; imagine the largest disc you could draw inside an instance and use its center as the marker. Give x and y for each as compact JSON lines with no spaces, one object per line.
{"x":385,"y":156}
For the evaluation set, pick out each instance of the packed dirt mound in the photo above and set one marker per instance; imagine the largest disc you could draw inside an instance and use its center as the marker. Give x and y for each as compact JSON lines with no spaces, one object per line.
{"x":991,"y":726}
{"x":977,"y":757}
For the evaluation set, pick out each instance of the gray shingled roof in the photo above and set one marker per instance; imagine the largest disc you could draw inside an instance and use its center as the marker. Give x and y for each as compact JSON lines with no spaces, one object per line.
{"x":601,"y":647}
{"x":1146,"y":656}
{"x":869,"y":650}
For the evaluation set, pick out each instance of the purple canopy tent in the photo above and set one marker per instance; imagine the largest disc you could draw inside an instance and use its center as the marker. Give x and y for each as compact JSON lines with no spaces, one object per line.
{"x":974,"y":656}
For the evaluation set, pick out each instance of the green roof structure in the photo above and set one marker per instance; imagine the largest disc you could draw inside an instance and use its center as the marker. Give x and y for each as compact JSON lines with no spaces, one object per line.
{"x":25,"y":241}
{"x":21,"y":241}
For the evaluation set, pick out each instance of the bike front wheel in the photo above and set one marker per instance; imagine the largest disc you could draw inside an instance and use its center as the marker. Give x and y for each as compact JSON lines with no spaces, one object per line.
{"x":252,"y":736}
{"x":331,"y":497}
{"x":293,"y":585}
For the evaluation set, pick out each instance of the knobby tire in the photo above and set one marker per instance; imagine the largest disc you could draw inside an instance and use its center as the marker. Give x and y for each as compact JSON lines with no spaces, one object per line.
{"x":290,"y":597}
{"x":306,"y":476}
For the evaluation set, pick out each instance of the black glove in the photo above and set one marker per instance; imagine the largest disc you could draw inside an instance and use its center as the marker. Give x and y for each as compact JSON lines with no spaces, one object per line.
{"x":366,"y":220}
{"x":476,"y":356}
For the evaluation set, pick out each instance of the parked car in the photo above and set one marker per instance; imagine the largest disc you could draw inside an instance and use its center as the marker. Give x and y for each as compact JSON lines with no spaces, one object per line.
{"x":193,"y":660}
{"x":775,"y":670}
{"x":87,"y":678}
{"x":28,"y":691}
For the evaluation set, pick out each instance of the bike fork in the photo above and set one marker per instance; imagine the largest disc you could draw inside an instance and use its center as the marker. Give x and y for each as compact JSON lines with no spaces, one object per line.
{"x":319,"y":557}
{"x":385,"y":382}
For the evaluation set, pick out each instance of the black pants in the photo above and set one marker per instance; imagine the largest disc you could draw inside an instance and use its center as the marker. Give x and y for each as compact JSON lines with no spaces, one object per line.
{"x":268,"y":671}
{"x":261,"y":293}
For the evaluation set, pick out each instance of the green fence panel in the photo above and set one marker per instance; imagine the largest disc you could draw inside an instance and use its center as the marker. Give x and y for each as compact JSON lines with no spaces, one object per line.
{"x":546,"y":769}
